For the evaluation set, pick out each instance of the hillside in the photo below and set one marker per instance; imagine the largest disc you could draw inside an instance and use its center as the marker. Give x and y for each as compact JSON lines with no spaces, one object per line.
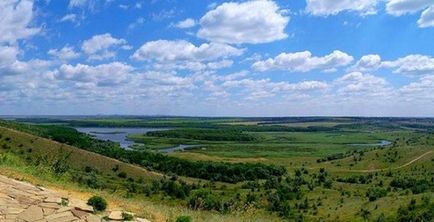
{"x":75,"y":171}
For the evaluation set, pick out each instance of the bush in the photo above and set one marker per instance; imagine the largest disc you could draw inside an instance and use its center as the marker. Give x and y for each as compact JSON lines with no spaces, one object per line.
{"x":205,"y":200}
{"x":98,"y":203}
{"x":127,"y":216}
{"x":122,"y":175}
{"x":184,"y":219}
{"x":375,"y":193}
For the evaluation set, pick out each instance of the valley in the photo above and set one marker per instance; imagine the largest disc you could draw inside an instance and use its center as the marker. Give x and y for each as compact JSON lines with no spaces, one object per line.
{"x":235,"y":169}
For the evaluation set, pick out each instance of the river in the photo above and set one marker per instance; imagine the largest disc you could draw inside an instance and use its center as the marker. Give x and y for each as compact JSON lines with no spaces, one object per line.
{"x":119,"y":135}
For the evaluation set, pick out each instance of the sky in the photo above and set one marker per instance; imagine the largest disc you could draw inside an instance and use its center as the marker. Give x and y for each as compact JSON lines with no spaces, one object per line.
{"x":217,"y":58}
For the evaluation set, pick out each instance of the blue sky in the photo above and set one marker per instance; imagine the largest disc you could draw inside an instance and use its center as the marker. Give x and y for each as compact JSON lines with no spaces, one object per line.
{"x":217,"y":58}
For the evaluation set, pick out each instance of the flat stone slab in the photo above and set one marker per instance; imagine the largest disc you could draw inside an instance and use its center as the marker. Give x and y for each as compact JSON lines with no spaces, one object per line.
{"x":32,"y":213}
{"x":23,"y":202}
{"x":115,"y":215}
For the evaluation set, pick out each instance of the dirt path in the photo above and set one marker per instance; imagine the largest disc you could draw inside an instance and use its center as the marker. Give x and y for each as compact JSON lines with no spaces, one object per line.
{"x":24,"y":202}
{"x":395,"y":168}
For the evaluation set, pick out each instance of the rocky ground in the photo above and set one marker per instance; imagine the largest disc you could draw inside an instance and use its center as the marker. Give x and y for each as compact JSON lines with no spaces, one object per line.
{"x":23,"y":202}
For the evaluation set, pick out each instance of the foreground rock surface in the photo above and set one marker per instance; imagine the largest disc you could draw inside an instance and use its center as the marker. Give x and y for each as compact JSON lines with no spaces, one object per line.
{"x":23,"y":202}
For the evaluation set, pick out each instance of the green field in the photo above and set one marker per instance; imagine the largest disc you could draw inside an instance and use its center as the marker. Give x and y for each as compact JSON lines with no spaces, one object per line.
{"x":243,"y":169}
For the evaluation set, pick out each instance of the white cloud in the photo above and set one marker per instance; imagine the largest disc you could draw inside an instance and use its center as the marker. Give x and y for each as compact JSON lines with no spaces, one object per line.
{"x":10,"y":65}
{"x":77,"y":3}
{"x":255,"y":89}
{"x":423,"y":89}
{"x":109,"y":74}
{"x":139,"y":21}
{"x":365,"y":85}
{"x":193,"y":65}
{"x":427,"y":18}
{"x":425,"y":83}
{"x":16,"y":17}
{"x":101,"y":47}
{"x":333,"y":7}
{"x":69,"y":18}
{"x":185,"y":24}
{"x":246,"y":22}
{"x":220,"y":64}
{"x":66,"y":53}
{"x":367,"y":63}
{"x":8,"y":55}
{"x":165,"y":50}
{"x":82,"y":4}
{"x":411,"y":65}
{"x":401,"y":7}
{"x":304,"y":62}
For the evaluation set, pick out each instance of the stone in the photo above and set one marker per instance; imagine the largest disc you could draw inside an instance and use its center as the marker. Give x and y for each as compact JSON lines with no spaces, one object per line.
{"x":78,"y":213}
{"x":31,"y":214}
{"x":59,"y":216}
{"x":57,"y":200}
{"x":115,"y":215}
{"x":85,"y":208}
{"x":92,"y":218}
{"x":12,"y":210}
{"x":50,"y":205}
{"x":48,"y":211}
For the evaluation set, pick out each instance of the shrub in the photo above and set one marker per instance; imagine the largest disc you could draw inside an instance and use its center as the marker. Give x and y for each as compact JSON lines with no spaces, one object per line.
{"x":127,"y":216}
{"x":98,"y":203}
{"x":375,"y":193}
{"x":184,"y":219}
{"x":205,"y":200}
{"x":122,"y":175}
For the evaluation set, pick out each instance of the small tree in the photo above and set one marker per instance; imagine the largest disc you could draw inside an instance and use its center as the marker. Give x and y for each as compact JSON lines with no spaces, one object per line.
{"x":98,"y":203}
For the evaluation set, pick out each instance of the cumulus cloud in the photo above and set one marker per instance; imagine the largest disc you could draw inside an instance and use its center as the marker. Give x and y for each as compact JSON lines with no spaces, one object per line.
{"x":402,"y":7}
{"x":65,"y":53}
{"x":422,"y":89}
{"x":367,"y":63}
{"x":246,"y":22}
{"x":265,"y":88}
{"x":333,"y":7}
{"x":103,"y":46}
{"x":11,"y":65}
{"x":165,"y":50}
{"x":185,"y":24}
{"x":411,"y":65}
{"x":183,"y":55}
{"x":8,"y":55}
{"x":366,"y":85}
{"x":16,"y":17}
{"x":109,"y":74}
{"x":304,"y":62}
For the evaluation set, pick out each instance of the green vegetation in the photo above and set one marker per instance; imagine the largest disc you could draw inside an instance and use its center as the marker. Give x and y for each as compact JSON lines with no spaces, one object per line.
{"x":184,"y":219}
{"x":98,"y":203}
{"x":269,"y":169}
{"x":199,"y":169}
{"x":204,"y":134}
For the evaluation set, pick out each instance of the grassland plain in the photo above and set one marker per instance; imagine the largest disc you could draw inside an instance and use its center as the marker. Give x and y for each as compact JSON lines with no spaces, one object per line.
{"x":330,"y":175}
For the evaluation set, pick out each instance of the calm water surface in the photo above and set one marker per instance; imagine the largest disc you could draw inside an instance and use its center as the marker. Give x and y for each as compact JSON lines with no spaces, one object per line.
{"x":119,"y":135}
{"x":115,"y":134}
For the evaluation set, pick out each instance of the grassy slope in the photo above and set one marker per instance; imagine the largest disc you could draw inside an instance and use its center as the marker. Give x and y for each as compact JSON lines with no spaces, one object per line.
{"x":14,"y":166}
